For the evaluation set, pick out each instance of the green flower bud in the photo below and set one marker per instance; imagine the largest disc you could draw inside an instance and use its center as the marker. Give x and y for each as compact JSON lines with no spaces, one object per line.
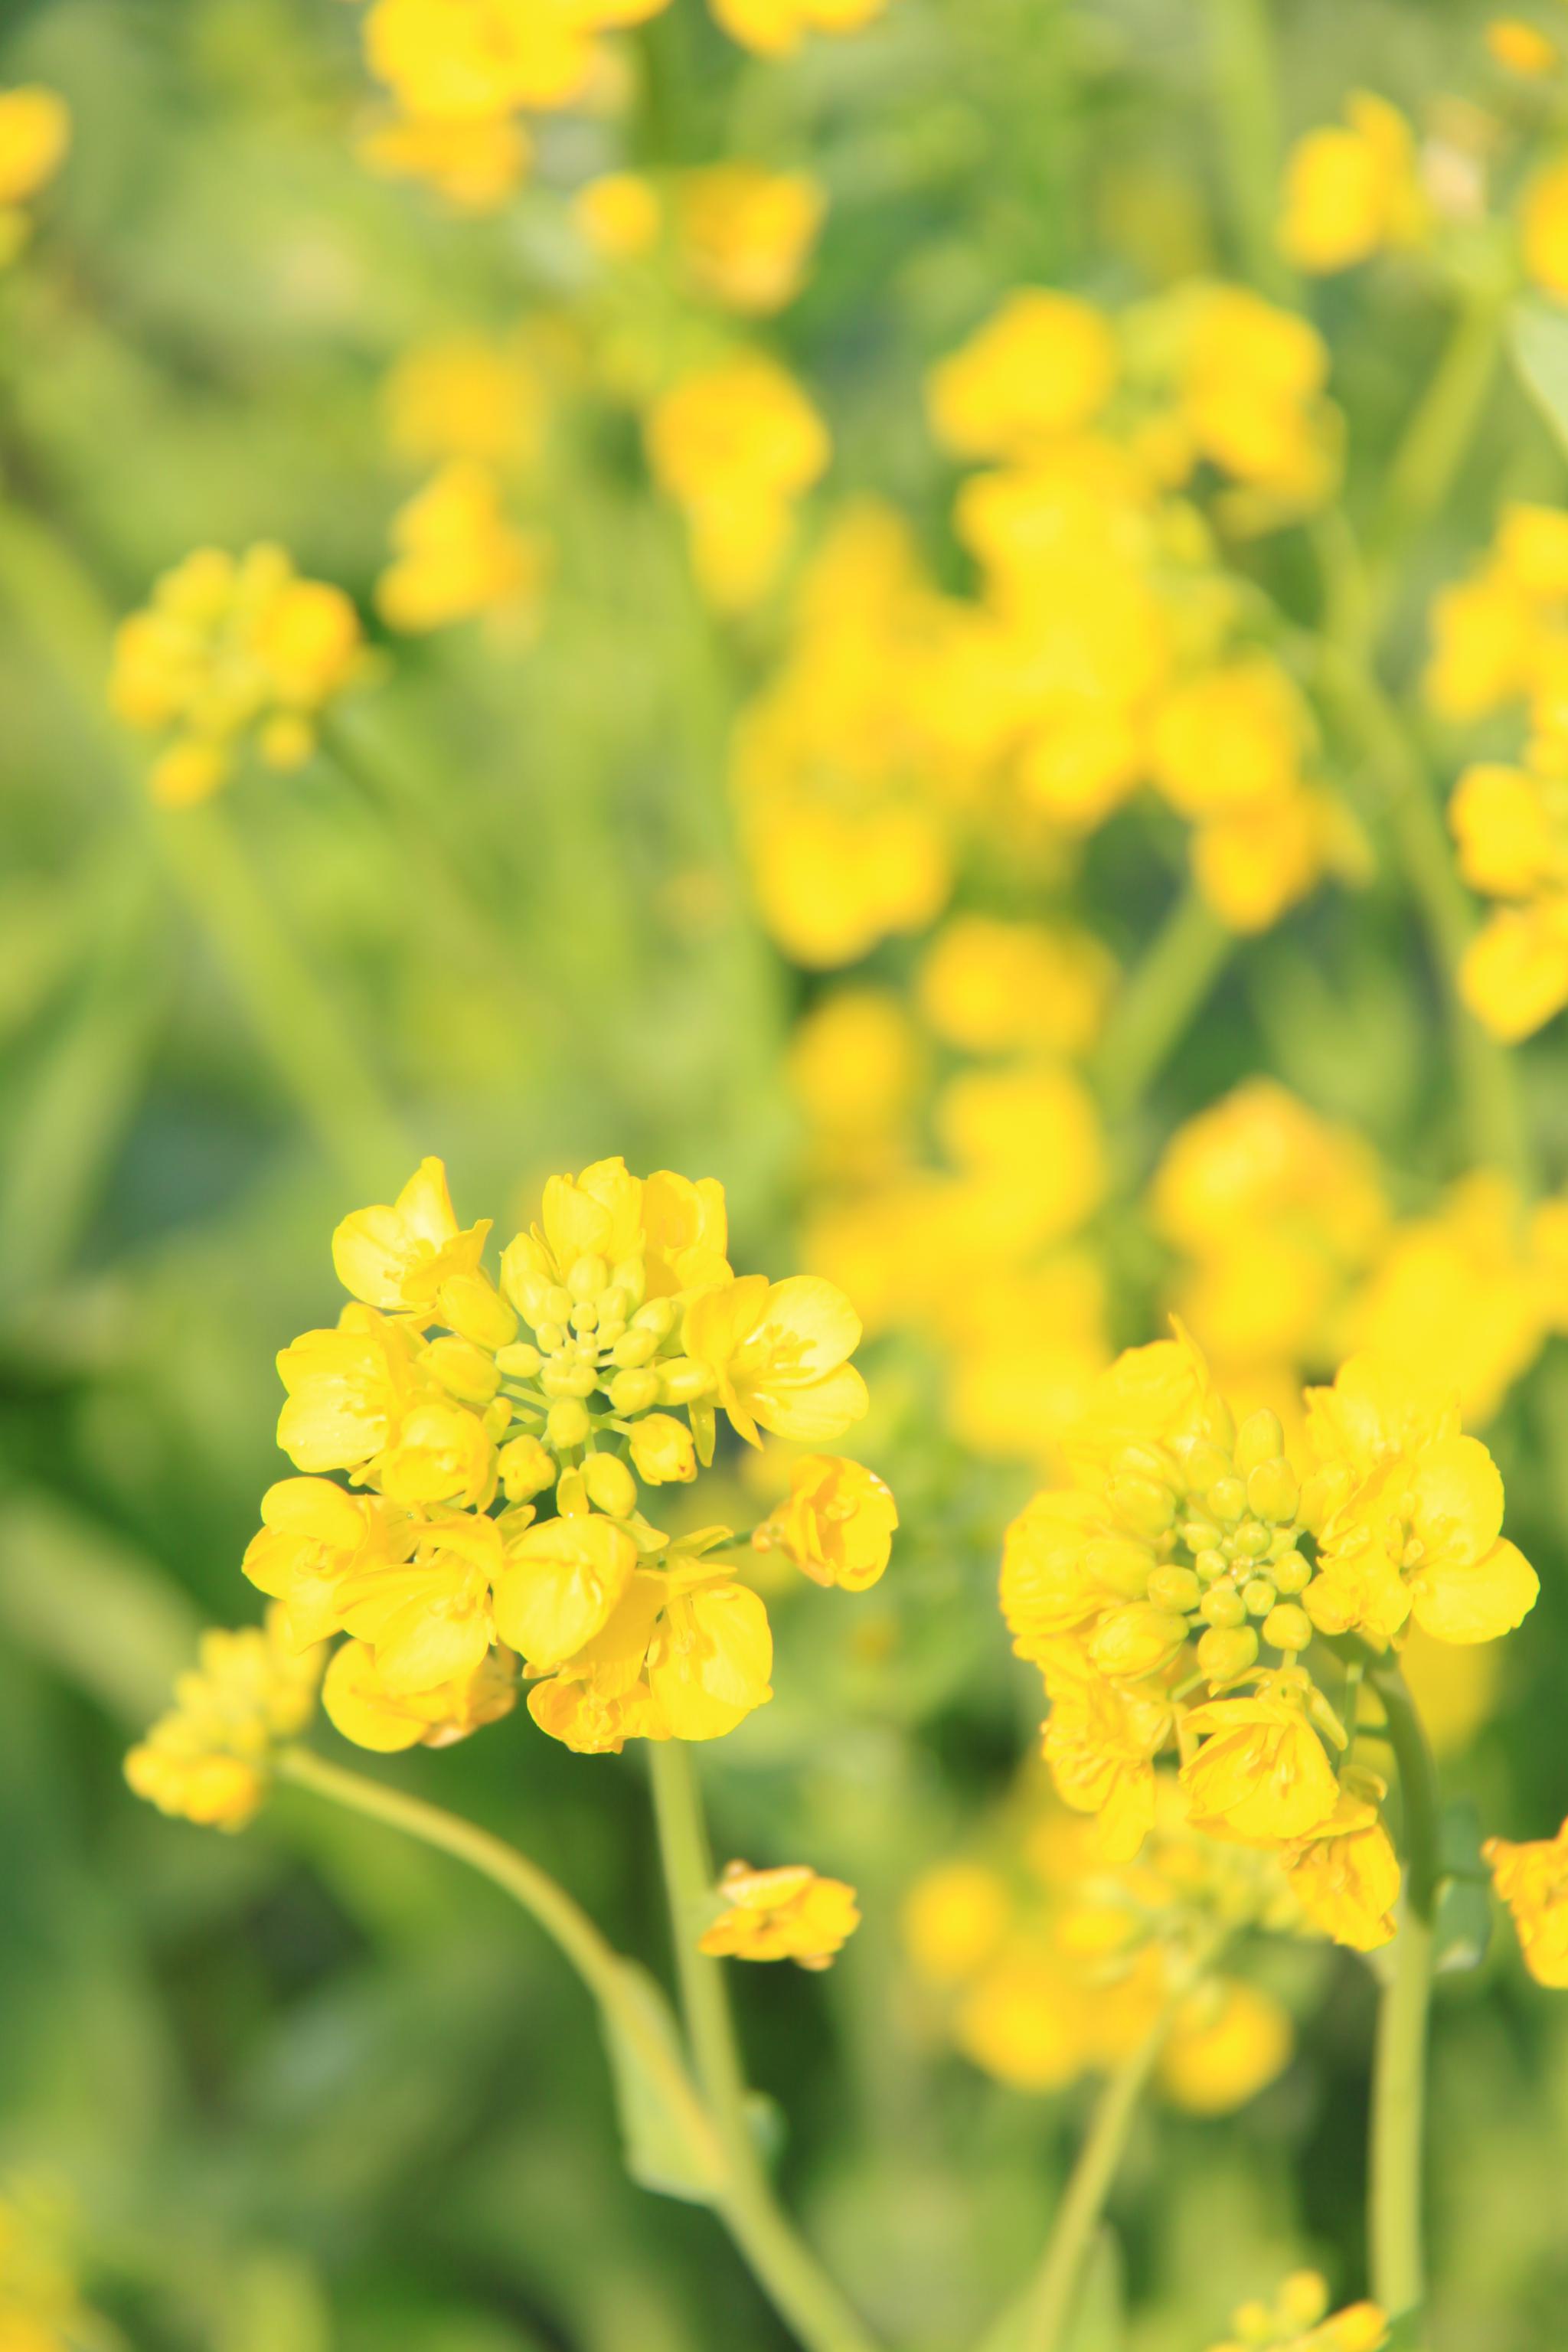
{"x":1258,"y":1595}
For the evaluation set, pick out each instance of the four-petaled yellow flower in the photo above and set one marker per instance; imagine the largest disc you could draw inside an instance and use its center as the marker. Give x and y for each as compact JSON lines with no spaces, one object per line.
{"x":836,"y":1523}
{"x":788,"y":1913}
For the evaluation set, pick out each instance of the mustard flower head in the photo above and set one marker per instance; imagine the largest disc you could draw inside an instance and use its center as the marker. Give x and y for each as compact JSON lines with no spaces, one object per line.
{"x":737,"y":444}
{"x":209,"y":1758}
{"x":1297,"y":2320}
{"x":232,"y":651}
{"x":1522,"y":49}
{"x":1352,"y":189}
{"x":494,"y":1522}
{"x":1044,"y":1962}
{"x":1533,"y":1880}
{"x":746,"y":235}
{"x":35,"y":134}
{"x":456,"y":555}
{"x":1191,"y":1551}
{"x":837,"y":1524}
{"x":789,"y":1914}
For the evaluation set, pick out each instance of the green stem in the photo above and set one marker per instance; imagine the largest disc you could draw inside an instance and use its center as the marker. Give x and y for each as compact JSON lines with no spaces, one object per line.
{"x":801,"y":2292}
{"x":295,"y":1020}
{"x":568,"y":1927}
{"x":1052,"y":2295}
{"x":1247,"y":98}
{"x":1399,"y":2067}
{"x":1496,"y":1128}
{"x":1160,"y":998}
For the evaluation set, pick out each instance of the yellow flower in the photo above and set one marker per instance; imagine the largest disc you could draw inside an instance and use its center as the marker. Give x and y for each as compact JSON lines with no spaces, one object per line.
{"x":1262,"y":1770}
{"x":789,"y":1914}
{"x":1514,"y":973}
{"x":209,"y":1758}
{"x":620,"y":214}
{"x":427,"y":1620}
{"x":954,"y":1917}
{"x":228,"y":650}
{"x":1533,"y":1880}
{"x":709,"y":1658}
{"x":456,"y":555}
{"x":1101,"y":1740}
{"x":995,"y":987}
{"x":560,"y":1586}
{"x":775,"y":28}
{"x":399,"y":1257}
{"x":1543,"y":229}
{"x":1233,"y":735}
{"x":854,"y":1066}
{"x":1250,"y":383}
{"x":736,"y":443}
{"x":1345,"y":1873}
{"x":1296,"y":2322}
{"x":347,"y":1390}
{"x":1228,"y":2041}
{"x":475,"y":162}
{"x":359,"y":1702}
{"x":1456,"y":1295}
{"x":464,"y":398}
{"x":1043,"y":366}
{"x":1353,"y":192}
{"x":1522,"y":49}
{"x":747,"y":234}
{"x":837,"y":1524}
{"x":313,"y":1535}
{"x":662,"y":1451}
{"x":1409,"y":1514}
{"x":35,"y":134}
{"x":777,"y":1354}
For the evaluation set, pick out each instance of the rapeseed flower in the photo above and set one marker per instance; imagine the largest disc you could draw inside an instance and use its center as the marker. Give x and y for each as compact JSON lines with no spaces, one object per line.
{"x":788,"y":1913}
{"x":837,"y":1524}
{"x":231,"y":651}
{"x":737,"y":444}
{"x":746,"y":235}
{"x":1351,"y":191}
{"x":456,"y":555}
{"x":209,"y":1758}
{"x":1533,"y":1880}
{"x":35,"y":135}
{"x":775,"y":28}
{"x":1297,"y":2320}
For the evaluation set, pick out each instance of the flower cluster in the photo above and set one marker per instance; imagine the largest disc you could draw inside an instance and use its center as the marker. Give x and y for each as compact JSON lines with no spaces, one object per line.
{"x":475,"y":412}
{"x":1353,"y":189}
{"x":1298,"y":2320}
{"x":735,"y":234}
{"x":209,"y":1758}
{"x":1501,"y":639}
{"x":1046,"y":1962}
{"x":35,"y":134}
{"x":736,"y":443}
{"x":231,"y":650}
{"x":1533,"y":1880}
{"x":1152,"y":1591}
{"x":787,"y":1913}
{"x":493,"y":1510}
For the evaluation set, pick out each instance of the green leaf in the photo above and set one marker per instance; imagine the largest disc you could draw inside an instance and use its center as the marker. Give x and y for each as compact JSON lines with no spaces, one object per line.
{"x":659,"y":2151}
{"x":1538,"y":339}
{"x":93,"y":1607}
{"x":1407,"y":2333}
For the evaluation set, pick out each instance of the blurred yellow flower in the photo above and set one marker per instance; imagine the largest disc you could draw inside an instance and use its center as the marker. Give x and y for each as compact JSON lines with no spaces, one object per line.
{"x":620,"y":214}
{"x":230,"y":650}
{"x":35,"y":134}
{"x":1297,"y":2320}
{"x":1043,"y":366}
{"x":209,"y":1758}
{"x":1228,"y":2041}
{"x":1521,"y":48}
{"x":465,"y":397}
{"x":746,"y":234}
{"x":1543,"y":229}
{"x":788,"y":1913}
{"x":476,"y":164}
{"x":1353,"y":192}
{"x":1458,"y":1296}
{"x":775,"y":28}
{"x":456,"y":555}
{"x":995,"y":987}
{"x":854,"y":1066}
{"x":1533,"y":1880}
{"x":737,"y":444}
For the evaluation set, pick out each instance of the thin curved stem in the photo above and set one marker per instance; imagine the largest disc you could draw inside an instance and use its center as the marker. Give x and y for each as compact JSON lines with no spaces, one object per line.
{"x":1246,"y":101}
{"x":805,"y":2296}
{"x":1395,"y":2228}
{"x":1052,"y":2295}
{"x":1160,"y":998}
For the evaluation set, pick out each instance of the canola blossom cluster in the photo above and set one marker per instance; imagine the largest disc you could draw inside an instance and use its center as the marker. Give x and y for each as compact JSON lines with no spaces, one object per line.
{"x":1194,"y":1589}
{"x":209,"y":1758}
{"x":1298,"y":2320}
{"x":1500,"y":644}
{"x":35,"y":137}
{"x":231,"y":651}
{"x":1045,"y":1961}
{"x":463,"y":77}
{"x":491,"y":1528}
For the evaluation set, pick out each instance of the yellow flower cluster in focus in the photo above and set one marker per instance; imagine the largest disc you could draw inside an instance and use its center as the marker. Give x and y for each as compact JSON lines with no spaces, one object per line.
{"x":1046,"y":1962}
{"x":231,"y":651}
{"x":209,"y":1758}
{"x":494,"y":1508}
{"x":1500,"y":640}
{"x":1351,"y":191}
{"x":788,"y":1913}
{"x":35,"y":134}
{"x":1175,"y":1594}
{"x":1298,"y":2320}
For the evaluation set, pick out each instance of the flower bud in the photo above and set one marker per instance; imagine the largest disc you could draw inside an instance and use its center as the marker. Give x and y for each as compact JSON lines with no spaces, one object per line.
{"x":571,"y":1495}
{"x":657,"y":1317}
{"x":630,"y":1275}
{"x":634,"y":1347}
{"x":557,"y":1303}
{"x":1251,"y":1540}
{"x":464,"y":1370}
{"x":526,"y":1469}
{"x":1288,"y":1627}
{"x":634,"y":1391}
{"x":1259,"y":1596}
{"x":518,"y":1362}
{"x":682,"y":1379}
{"x":1274,"y":1491}
{"x":550,"y":1335}
{"x":1228,"y":1651}
{"x":470,"y":1305}
{"x":568,"y":1379}
{"x":1117,"y":1564}
{"x":1227,"y":1500}
{"x":585,"y":1316}
{"x":497,"y":1416}
{"x":1221,"y":1605}
{"x":1200,"y":1535}
{"x":1139,"y":1504}
{"x":1202,"y":1463}
{"x":568,"y":1424}
{"x":1137,"y":1639}
{"x":1176,"y":1588}
{"x":1260,"y":1438}
{"x":663,"y":1451}
{"x":1210,"y":1563}
{"x":587,"y":1278}
{"x":610,"y":1486}
{"x":1291,"y":1571}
